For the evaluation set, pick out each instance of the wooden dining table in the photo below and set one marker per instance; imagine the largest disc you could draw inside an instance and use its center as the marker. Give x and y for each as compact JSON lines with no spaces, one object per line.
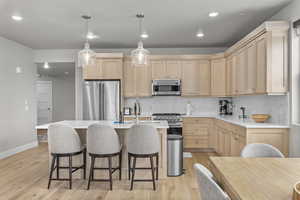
{"x":256,"y":178}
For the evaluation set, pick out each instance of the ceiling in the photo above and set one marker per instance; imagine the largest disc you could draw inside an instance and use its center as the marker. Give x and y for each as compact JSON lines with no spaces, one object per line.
{"x":57,"y":70}
{"x":56,"y":24}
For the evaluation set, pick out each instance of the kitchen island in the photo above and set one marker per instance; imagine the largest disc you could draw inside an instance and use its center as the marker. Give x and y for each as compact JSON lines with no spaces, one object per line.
{"x":122,"y":130}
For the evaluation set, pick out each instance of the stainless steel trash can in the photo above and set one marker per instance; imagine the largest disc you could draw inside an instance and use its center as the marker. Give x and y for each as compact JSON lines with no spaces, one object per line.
{"x":175,"y":155}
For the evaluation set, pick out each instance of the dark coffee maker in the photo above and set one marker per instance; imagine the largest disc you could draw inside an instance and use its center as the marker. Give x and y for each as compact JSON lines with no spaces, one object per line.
{"x":225,"y":107}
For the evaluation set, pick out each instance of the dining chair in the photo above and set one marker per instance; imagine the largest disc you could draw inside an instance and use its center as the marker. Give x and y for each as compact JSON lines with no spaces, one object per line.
{"x":64,"y":141}
{"x":143,"y":142}
{"x":103,"y":142}
{"x":260,"y":150}
{"x":209,"y":189}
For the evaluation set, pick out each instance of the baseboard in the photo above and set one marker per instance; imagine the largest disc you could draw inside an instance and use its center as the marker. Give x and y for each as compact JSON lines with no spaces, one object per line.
{"x":18,"y":149}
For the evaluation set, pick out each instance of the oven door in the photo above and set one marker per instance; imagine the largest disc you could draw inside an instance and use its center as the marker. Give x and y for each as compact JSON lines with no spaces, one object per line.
{"x":174,"y":130}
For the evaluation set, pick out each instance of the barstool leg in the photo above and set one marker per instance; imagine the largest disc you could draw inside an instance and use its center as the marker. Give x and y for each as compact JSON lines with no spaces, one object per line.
{"x":110,"y":172}
{"x":120,"y":165}
{"x":129,"y":166}
{"x":70,"y":172}
{"x":84,"y":164}
{"x":91,"y":171}
{"x":51,"y":171}
{"x":152,"y":172}
{"x":57,"y":167}
{"x":133,"y":172}
{"x":157,"y":165}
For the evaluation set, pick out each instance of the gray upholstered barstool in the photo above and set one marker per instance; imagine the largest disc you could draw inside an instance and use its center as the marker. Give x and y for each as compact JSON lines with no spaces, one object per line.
{"x":103,"y":142}
{"x":143,"y":142}
{"x":64,"y":142}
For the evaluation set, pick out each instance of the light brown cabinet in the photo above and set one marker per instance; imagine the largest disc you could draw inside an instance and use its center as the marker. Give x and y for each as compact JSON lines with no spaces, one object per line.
{"x":218,"y":77}
{"x":261,"y":74}
{"x":104,"y":69}
{"x":166,"y":69}
{"x":137,"y":80}
{"x":196,"y":132}
{"x":241,"y":70}
{"x":251,"y":68}
{"x":228,"y":139}
{"x":196,"y":78}
{"x":231,"y":76}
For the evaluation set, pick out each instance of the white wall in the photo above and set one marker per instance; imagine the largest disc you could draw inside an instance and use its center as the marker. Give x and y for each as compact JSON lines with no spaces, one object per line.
{"x":276,"y":106}
{"x":63,"y":97}
{"x":17,"y":124}
{"x":291,"y":13}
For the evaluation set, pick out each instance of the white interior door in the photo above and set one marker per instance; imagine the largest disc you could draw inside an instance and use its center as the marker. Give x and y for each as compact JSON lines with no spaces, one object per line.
{"x":44,"y":102}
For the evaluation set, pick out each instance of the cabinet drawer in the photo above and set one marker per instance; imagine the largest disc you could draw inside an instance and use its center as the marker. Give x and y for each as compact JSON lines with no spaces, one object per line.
{"x":196,"y":120}
{"x":195,"y":142}
{"x":195,"y":131}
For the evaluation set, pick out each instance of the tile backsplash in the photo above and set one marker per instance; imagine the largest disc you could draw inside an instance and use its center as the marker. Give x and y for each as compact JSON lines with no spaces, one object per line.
{"x":276,"y":106}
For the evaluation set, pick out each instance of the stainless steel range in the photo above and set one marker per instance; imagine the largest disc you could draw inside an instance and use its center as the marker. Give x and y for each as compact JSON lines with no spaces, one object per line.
{"x":174,"y":121}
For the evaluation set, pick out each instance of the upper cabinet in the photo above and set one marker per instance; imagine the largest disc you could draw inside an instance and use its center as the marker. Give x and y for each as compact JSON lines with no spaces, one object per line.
{"x":195,"y":78}
{"x":218,"y":77}
{"x":137,"y":80}
{"x":106,"y":67}
{"x":261,"y":65}
{"x":166,"y":69}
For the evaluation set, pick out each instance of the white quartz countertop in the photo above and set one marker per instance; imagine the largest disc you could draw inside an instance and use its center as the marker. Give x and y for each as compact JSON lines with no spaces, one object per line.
{"x":247,"y":123}
{"x":83,"y":124}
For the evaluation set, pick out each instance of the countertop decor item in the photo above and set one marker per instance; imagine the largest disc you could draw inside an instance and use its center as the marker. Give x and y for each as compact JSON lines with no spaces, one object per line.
{"x":260,"y":118}
{"x":296,"y":191}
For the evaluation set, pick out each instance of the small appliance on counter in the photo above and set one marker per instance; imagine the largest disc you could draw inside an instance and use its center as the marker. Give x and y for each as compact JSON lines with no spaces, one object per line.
{"x":127,"y":111}
{"x":225,"y":107}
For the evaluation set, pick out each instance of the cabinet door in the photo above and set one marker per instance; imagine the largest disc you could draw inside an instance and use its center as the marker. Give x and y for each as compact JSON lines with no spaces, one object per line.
{"x":205,"y":78}
{"x":234,"y":90}
{"x":112,"y":69}
{"x":251,"y":68}
{"x":234,"y":145}
{"x":241,"y":72}
{"x":261,"y":65}
{"x":129,"y":80}
{"x":173,"y":69}
{"x":218,"y":77}
{"x":190,"y":78}
{"x":143,"y":81}
{"x":158,"y":69}
{"x":227,"y":142}
{"x":229,"y":76}
{"x":90,"y":72}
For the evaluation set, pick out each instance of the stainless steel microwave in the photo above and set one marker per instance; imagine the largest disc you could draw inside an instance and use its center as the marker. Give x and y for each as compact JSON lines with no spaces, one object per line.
{"x":166,"y":88}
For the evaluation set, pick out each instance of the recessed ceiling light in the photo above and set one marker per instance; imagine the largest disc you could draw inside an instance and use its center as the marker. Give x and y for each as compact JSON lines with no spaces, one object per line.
{"x":91,"y":36}
{"x":213,"y":14}
{"x":46,"y":65}
{"x":200,"y":33}
{"x":144,"y":35}
{"x":17,"y":17}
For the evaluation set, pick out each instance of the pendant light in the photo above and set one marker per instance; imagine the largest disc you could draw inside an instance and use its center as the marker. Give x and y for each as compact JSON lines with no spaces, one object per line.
{"x":86,"y":55}
{"x":140,"y":56}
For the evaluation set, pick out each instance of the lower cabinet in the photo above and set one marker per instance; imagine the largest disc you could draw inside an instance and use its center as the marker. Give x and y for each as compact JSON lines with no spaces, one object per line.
{"x":228,"y":139}
{"x":196,"y":132}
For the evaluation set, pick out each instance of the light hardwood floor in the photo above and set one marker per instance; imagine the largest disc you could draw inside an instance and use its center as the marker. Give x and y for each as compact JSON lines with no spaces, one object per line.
{"x":25,"y":175}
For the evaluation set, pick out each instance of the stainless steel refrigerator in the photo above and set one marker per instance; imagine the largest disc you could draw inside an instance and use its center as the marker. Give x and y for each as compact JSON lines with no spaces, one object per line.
{"x":101,"y":100}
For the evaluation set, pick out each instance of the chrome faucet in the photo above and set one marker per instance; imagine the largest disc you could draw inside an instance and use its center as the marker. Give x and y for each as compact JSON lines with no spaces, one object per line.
{"x":137,"y":109}
{"x":243,"y":116}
